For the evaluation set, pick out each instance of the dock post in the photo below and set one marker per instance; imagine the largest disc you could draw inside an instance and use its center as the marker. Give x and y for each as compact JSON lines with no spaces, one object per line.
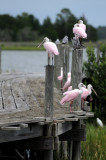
{"x":76,"y":73}
{"x":49,"y":83}
{"x":0,"y":59}
{"x":62,"y":60}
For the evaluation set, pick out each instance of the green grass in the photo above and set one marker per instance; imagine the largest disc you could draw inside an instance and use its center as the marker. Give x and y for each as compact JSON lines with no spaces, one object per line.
{"x":95,"y":146}
{"x":25,"y":48}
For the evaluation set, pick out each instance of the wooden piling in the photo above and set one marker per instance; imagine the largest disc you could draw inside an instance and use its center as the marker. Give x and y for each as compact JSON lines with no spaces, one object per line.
{"x":62,"y":60}
{"x":76,"y":72}
{"x":76,"y":75}
{"x":49,"y":83}
{"x":0,"y":59}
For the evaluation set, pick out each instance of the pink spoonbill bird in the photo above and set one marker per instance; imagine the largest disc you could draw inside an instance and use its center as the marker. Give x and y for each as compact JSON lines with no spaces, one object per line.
{"x":60,"y":78}
{"x":70,"y":96}
{"x":67,"y":83}
{"x":82,"y":25}
{"x":86,"y":92}
{"x":79,"y":32}
{"x":50,"y":47}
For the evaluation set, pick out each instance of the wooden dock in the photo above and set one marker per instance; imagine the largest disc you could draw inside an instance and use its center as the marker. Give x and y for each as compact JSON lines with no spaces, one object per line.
{"x":22,"y":116}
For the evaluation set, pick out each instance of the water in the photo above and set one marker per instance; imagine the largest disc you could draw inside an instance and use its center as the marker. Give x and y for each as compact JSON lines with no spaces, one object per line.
{"x":27,"y":61}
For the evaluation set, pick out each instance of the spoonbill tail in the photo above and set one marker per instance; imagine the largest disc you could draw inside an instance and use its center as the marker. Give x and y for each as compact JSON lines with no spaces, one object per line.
{"x":50,"y":47}
{"x":99,"y":122}
{"x":67,"y":83}
{"x":71,"y":95}
{"x":82,"y":25}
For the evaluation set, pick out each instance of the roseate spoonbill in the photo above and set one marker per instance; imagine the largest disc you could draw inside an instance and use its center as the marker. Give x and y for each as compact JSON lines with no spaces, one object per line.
{"x":70,"y":88}
{"x":65,"y":40}
{"x":60,"y":78}
{"x":79,"y":32}
{"x":71,"y":95}
{"x":99,"y":122}
{"x":67,"y":83}
{"x":82,"y":25}
{"x":50,"y":47}
{"x":61,"y":75}
{"x":86,"y":92}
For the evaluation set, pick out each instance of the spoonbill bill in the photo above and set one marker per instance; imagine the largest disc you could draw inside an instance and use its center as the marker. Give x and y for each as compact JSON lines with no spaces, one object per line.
{"x":70,"y":96}
{"x":67,"y":83}
{"x":50,"y":47}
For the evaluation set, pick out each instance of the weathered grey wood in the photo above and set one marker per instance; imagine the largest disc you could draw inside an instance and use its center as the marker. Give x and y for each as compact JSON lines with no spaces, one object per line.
{"x":0,"y":59}
{"x":64,"y":149}
{"x":76,"y":75}
{"x":76,"y":154}
{"x":49,"y":83}
{"x":40,"y":143}
{"x":70,"y":148}
{"x":64,"y":127}
{"x":48,"y":155}
{"x":71,"y":119}
{"x":10,"y":128}
{"x":32,"y":131}
{"x":74,"y":135}
{"x":62,"y":60}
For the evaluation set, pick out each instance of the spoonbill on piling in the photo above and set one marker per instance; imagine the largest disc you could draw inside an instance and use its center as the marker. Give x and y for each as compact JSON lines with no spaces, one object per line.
{"x":50,"y":47}
{"x":70,"y":96}
{"x":65,"y":40}
{"x":82,"y":25}
{"x":67,"y":83}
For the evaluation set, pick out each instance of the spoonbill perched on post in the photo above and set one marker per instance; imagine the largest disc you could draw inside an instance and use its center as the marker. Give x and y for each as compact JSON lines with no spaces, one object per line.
{"x":67,"y":83}
{"x":82,"y":25}
{"x":70,"y":96}
{"x":79,"y":31}
{"x":50,"y":47}
{"x":65,"y":40}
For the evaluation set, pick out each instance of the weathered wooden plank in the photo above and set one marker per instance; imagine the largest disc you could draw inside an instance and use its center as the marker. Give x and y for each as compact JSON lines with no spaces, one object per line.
{"x":63,"y":127}
{"x":71,"y":119}
{"x":73,"y":135}
{"x":33,"y":130}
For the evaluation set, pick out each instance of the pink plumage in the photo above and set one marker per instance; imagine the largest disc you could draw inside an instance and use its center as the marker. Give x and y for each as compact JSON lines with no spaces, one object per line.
{"x":84,"y":94}
{"x":51,"y":48}
{"x":67,"y":83}
{"x":70,"y":97}
{"x":79,"y":32}
{"x":60,"y":78}
{"x":82,"y":25}
{"x":70,"y":88}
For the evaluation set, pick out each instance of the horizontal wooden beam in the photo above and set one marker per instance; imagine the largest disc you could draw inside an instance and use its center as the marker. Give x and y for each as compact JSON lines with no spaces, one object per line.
{"x":74,"y":135}
{"x":32,"y":131}
{"x":40,"y":143}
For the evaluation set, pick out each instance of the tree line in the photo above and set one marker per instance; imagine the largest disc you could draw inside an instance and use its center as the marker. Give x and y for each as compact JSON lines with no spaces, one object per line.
{"x":26,"y":27}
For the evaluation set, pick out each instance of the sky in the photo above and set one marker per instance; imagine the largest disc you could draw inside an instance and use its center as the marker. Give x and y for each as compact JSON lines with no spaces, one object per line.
{"x":94,"y":10}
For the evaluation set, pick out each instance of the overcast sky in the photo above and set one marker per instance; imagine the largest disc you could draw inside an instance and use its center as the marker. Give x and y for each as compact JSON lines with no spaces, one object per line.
{"x":94,"y":10}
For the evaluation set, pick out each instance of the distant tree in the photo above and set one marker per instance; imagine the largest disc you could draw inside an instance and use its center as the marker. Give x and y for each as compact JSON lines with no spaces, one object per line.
{"x":92,"y":33}
{"x":101,"y":32}
{"x":64,"y":23}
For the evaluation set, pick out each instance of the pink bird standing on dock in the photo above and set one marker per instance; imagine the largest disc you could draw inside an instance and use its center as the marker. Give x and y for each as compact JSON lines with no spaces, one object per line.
{"x":70,"y":96}
{"x":50,"y":47}
{"x":67,"y":83}
{"x":79,"y":32}
{"x":60,"y":78}
{"x":82,"y":25}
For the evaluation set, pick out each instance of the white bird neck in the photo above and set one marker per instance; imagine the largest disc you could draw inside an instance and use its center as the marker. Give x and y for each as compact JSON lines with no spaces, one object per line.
{"x":80,"y":90}
{"x":61,"y":71}
{"x":89,"y":90}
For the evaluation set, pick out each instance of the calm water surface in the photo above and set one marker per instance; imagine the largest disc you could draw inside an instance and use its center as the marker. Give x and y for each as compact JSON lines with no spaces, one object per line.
{"x":27,"y":61}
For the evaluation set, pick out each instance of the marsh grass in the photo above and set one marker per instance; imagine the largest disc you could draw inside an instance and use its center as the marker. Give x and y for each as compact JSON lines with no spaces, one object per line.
{"x":95,"y":146}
